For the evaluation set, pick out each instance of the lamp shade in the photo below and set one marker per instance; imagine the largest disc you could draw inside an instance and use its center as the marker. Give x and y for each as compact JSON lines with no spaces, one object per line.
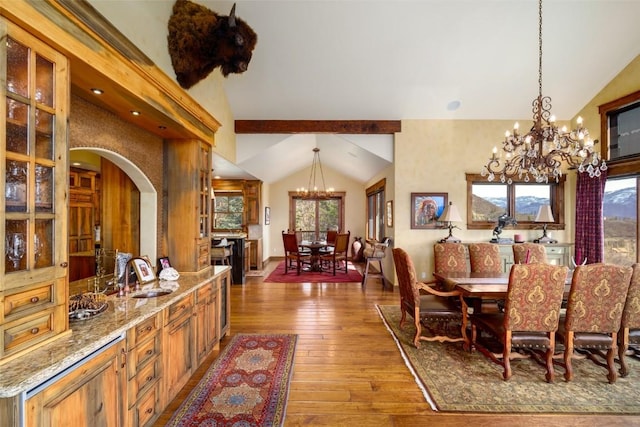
{"x":450,"y":214}
{"x":544,"y":214}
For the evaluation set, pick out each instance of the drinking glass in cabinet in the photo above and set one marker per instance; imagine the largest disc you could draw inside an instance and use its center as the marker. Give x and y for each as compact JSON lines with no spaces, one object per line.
{"x":15,"y":249}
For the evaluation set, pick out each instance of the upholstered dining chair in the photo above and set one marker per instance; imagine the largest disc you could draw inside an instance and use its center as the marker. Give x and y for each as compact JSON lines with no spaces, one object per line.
{"x":594,"y":313}
{"x":338,"y":256}
{"x":485,"y":258}
{"x":529,"y":253}
{"x":293,"y":254}
{"x":629,"y":333}
{"x":221,"y":252}
{"x":450,"y":257}
{"x":375,"y":252}
{"x":425,"y":303}
{"x":531,"y":316}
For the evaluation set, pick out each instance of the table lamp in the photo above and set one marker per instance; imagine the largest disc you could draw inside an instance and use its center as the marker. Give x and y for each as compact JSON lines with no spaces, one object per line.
{"x":449,"y":215}
{"x":545,"y":216}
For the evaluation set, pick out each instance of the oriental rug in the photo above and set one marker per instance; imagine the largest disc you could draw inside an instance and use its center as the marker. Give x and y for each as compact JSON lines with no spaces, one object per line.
{"x":247,"y":385}
{"x":454,"y":380}
{"x":278,"y":276}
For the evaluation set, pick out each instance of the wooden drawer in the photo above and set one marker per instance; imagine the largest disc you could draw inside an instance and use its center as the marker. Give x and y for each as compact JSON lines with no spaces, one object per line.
{"x":78,"y":197}
{"x":143,"y":353}
{"x":204,"y":293}
{"x":556,"y":249}
{"x":179,"y":308}
{"x":144,"y":380}
{"x":28,"y":301}
{"x":142,"y":331}
{"x":31,"y":329}
{"x":147,"y":410}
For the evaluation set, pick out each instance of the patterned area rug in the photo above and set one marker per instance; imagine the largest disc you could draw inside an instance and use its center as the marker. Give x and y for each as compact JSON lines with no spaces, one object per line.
{"x":455,"y":380}
{"x":278,"y":276}
{"x":247,"y":385}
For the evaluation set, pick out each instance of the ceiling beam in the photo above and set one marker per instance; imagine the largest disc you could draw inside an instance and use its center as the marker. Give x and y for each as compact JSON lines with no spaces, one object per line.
{"x":319,"y":126}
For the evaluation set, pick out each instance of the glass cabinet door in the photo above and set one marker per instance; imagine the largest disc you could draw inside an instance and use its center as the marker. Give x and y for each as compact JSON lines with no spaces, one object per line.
{"x":34,"y":151}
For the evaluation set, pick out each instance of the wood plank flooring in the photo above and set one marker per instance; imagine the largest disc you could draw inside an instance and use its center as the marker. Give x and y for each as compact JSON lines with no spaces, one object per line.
{"x":348,"y":370}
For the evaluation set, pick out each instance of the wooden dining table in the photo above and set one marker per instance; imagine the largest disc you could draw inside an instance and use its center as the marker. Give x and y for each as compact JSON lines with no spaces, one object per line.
{"x":315,"y":248}
{"x":478,"y":287}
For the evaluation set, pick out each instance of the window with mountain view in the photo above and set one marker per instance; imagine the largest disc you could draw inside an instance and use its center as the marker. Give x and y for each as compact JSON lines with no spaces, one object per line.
{"x":520,"y":200}
{"x":620,"y":211}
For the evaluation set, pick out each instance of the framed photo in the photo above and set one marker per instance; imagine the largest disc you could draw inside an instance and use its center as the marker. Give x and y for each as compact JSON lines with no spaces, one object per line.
{"x":143,"y":270}
{"x":426,"y":208}
{"x":390,"y":213}
{"x":267,"y":215}
{"x":163,"y":263}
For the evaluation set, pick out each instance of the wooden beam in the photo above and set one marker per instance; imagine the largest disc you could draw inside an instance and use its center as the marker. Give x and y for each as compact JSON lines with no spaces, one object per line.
{"x":319,"y":126}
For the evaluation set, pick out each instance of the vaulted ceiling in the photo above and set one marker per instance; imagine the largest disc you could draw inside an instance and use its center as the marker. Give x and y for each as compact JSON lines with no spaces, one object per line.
{"x":393,"y":60}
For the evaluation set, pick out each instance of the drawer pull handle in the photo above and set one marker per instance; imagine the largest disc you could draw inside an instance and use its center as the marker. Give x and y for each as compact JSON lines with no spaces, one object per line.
{"x":35,"y":299}
{"x":148,"y":328}
{"x":149,"y":378}
{"x":150,"y":351}
{"x":149,"y":410}
{"x":35,"y":331}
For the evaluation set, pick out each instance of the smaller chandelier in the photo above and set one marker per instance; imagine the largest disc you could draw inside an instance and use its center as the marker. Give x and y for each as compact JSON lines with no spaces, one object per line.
{"x":540,"y":153}
{"x":312,"y":191}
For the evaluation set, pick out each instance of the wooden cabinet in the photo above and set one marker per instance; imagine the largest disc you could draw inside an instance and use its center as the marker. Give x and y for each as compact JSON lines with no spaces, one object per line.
{"x":255,"y":254}
{"x":252,"y":192}
{"x":206,"y":320}
{"x":82,"y":189}
{"x":89,"y":395}
{"x":34,"y":212}
{"x":144,"y":370}
{"x":188,"y":211}
{"x":223,"y":302}
{"x":557,"y":254}
{"x":178,"y":347}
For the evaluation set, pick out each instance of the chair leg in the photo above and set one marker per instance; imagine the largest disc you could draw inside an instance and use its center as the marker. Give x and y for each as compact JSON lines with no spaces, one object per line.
{"x":366,"y":273}
{"x":506,"y":354}
{"x":384,"y":281}
{"x":549,"y":362}
{"x":568,"y":352}
{"x":416,"y":321}
{"x":622,"y":349}
{"x":611,"y":354}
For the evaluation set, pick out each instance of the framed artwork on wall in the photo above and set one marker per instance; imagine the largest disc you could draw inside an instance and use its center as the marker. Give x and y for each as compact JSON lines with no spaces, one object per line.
{"x":267,"y":215}
{"x":389,"y":213}
{"x":426,"y":208}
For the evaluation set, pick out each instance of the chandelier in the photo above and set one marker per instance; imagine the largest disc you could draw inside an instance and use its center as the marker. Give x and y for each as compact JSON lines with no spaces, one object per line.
{"x":312,"y":191}
{"x":540,"y":153}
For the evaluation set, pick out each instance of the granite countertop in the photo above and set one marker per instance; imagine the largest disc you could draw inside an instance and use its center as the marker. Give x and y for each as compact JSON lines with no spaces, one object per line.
{"x":87,"y":336}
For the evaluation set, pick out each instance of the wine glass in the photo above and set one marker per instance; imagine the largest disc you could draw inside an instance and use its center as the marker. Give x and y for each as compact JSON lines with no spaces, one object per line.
{"x":15,"y":248}
{"x":37,"y":247}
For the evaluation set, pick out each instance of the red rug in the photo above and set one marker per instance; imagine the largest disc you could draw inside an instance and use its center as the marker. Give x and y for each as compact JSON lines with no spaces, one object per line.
{"x":247,"y":385}
{"x":278,"y":276}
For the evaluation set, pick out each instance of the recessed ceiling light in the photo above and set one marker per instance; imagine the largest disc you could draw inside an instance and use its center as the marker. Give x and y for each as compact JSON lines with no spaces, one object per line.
{"x":162,"y":127}
{"x":453,"y":105}
{"x":135,"y":112}
{"x":97,"y":91}
{"x":76,"y":164}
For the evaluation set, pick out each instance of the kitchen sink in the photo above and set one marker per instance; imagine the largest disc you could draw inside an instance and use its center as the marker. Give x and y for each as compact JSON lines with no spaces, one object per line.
{"x":152,"y":293}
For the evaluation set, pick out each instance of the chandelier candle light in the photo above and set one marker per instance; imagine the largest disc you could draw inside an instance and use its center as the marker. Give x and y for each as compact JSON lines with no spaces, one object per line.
{"x":312,"y":191}
{"x":540,"y":153}
{"x":450,"y":215}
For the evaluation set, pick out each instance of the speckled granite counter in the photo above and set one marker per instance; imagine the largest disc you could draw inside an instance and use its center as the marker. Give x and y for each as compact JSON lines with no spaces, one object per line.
{"x":87,"y":336}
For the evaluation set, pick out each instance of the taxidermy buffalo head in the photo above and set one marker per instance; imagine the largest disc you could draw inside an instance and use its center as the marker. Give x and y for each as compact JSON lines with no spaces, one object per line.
{"x":201,"y":40}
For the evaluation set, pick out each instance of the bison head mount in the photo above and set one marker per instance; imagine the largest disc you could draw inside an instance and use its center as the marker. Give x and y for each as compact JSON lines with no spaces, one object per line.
{"x":201,"y":40}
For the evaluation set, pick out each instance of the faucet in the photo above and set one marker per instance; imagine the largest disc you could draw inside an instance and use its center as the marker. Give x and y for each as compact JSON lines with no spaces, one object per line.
{"x":126,"y":289}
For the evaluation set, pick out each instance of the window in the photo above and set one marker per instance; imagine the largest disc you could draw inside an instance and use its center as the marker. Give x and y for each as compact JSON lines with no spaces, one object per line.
{"x":486,"y":201}
{"x":620,"y":206}
{"x":620,"y":134}
{"x":228,"y":211}
{"x":375,"y":211}
{"x":313,"y":217}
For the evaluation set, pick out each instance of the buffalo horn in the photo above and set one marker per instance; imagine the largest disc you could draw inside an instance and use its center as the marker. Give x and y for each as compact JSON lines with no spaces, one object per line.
{"x":232,"y":16}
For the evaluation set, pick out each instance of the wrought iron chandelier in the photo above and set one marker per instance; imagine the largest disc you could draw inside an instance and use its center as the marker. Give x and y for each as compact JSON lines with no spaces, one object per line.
{"x":540,"y":153}
{"x":312,"y":191}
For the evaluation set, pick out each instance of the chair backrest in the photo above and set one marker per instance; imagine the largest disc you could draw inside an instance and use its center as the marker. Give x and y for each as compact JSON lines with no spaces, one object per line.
{"x":406,"y":272}
{"x":597,"y":297}
{"x":631,"y":312}
{"x":450,"y":258}
{"x":331,"y":236}
{"x":534,"y":297}
{"x":341,"y":244}
{"x":377,"y":249}
{"x":290,"y":241}
{"x":485,"y":258}
{"x":537,"y":253}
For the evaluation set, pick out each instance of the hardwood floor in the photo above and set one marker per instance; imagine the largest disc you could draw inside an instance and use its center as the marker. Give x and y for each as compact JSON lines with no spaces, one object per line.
{"x":348,"y":370}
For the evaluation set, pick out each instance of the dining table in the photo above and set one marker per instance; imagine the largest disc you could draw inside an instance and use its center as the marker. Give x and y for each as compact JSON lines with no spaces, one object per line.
{"x":315,"y":248}
{"x":476,"y":287}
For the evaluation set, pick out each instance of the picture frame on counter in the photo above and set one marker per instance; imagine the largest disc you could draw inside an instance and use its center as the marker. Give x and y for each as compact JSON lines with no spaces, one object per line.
{"x":163,"y":262}
{"x":143,"y":270}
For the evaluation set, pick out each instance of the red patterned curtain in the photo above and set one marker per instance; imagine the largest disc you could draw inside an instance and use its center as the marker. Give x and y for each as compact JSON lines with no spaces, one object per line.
{"x":589,"y":218}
